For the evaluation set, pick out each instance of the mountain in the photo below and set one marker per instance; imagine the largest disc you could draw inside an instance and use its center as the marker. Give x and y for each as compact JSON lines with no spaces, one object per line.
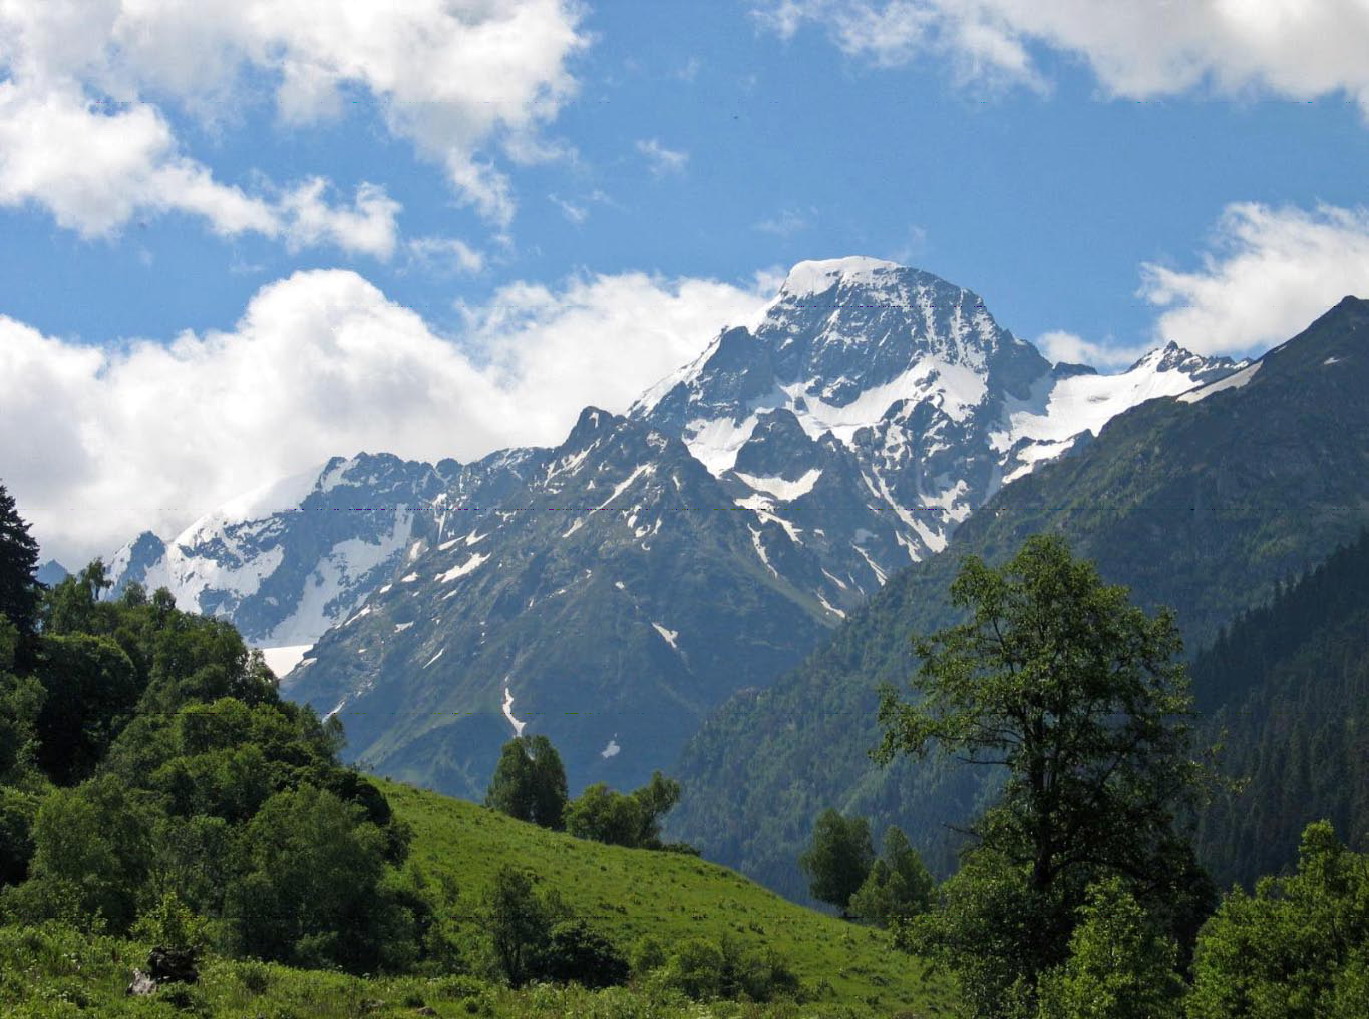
{"x":294,"y":557}
{"x":614,"y":590}
{"x":1201,"y":502}
{"x":51,"y":572}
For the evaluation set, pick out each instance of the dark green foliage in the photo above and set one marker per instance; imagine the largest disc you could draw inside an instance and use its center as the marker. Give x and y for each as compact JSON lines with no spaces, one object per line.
{"x":899,"y":885}
{"x":529,"y":782}
{"x":1059,"y":680}
{"x":518,"y":924}
{"x":93,"y":851}
{"x":19,"y":590}
{"x":90,"y":690}
{"x":536,"y":938}
{"x":1297,"y":949}
{"x":190,"y":782}
{"x":839,"y":859}
{"x":310,"y":891}
{"x":705,"y":970}
{"x":18,"y":809}
{"x":601,"y":814}
{"x":576,"y":953}
{"x":1120,"y":966}
{"x":1288,"y":691}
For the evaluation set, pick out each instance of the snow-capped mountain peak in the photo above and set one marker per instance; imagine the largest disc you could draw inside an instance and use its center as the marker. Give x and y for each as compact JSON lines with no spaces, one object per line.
{"x":809,"y":279}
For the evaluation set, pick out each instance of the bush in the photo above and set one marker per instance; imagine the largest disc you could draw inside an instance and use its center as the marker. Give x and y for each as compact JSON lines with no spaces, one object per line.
{"x":576,"y":953}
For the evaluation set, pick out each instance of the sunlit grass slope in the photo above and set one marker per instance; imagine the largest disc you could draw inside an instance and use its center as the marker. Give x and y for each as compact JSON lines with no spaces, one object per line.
{"x":630,"y":893}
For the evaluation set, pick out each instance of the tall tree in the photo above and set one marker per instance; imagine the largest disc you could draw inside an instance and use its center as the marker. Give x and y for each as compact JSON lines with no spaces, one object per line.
{"x":839,"y":858}
{"x":529,"y":782}
{"x":1078,"y":697}
{"x":19,"y":589}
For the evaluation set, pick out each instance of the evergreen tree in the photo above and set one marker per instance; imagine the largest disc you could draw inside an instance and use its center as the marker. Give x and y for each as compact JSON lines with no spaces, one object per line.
{"x":19,"y":590}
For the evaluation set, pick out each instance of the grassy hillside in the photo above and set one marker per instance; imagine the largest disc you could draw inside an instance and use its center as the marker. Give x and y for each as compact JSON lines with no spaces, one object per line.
{"x":850,"y":971}
{"x":632,"y":892}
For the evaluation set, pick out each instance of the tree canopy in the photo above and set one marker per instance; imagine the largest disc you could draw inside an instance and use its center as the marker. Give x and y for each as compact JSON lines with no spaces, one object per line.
{"x":529,"y":782}
{"x":839,"y":858}
{"x":1078,"y":697}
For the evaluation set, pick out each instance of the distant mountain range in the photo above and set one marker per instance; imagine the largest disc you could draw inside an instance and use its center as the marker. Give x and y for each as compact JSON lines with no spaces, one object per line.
{"x":1204,"y":502}
{"x":611,"y":592}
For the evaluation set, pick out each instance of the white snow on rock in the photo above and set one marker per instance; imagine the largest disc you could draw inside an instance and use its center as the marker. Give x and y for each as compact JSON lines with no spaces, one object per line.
{"x":468,"y":566}
{"x":784,"y":491}
{"x":1234,"y":381}
{"x":810,"y":278}
{"x":518,"y":725}
{"x":669,"y":636}
{"x":283,"y":660}
{"x":434,"y":657}
{"x":333,"y":583}
{"x":401,"y":627}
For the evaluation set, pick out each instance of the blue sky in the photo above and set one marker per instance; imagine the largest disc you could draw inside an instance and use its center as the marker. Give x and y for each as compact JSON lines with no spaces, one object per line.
{"x":239,"y":238}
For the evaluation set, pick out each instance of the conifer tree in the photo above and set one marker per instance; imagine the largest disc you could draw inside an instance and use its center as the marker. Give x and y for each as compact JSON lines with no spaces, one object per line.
{"x":18,"y":561}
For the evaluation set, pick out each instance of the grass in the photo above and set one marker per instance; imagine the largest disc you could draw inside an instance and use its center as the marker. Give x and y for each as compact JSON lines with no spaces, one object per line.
{"x":849,"y":972}
{"x":629,"y":893}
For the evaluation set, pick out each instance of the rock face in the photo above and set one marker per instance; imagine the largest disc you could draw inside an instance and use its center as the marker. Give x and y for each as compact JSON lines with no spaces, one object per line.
{"x":612,"y":591}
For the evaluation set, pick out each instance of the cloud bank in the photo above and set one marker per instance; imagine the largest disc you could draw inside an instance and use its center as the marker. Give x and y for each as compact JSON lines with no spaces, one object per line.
{"x":152,"y":435}
{"x":87,"y":89}
{"x":1137,"y":49}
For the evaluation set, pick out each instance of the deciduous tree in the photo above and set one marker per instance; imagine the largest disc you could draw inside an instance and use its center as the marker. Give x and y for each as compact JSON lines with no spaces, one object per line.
{"x":839,"y":858}
{"x":1079,"y":698}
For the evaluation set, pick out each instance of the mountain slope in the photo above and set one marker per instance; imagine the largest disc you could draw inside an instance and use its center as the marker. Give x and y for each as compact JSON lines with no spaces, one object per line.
{"x":1286,"y":689}
{"x":612,"y":601}
{"x":1200,"y":502}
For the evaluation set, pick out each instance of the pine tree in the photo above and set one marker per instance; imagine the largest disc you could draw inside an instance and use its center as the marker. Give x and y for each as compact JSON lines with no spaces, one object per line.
{"x":18,"y":561}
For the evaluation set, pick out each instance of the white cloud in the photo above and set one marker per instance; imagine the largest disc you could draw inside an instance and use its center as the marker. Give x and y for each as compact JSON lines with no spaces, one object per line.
{"x":786,"y":224}
{"x":577,"y":214}
{"x":82,"y":86}
{"x":661,"y":159}
{"x":445,"y":255}
{"x":1270,"y":273}
{"x":1060,"y":345}
{"x":1141,"y":48}
{"x":322,"y":363}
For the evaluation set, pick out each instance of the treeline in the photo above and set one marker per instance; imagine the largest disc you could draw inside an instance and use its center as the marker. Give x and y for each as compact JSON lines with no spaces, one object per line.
{"x":1080,"y":895}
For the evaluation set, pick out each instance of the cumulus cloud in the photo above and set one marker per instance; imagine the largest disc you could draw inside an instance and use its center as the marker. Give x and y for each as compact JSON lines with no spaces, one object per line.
{"x":1061,"y":345}
{"x":1270,"y":272}
{"x":151,"y":435}
{"x":661,"y":159}
{"x":1138,"y":49}
{"x":84,"y":132}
